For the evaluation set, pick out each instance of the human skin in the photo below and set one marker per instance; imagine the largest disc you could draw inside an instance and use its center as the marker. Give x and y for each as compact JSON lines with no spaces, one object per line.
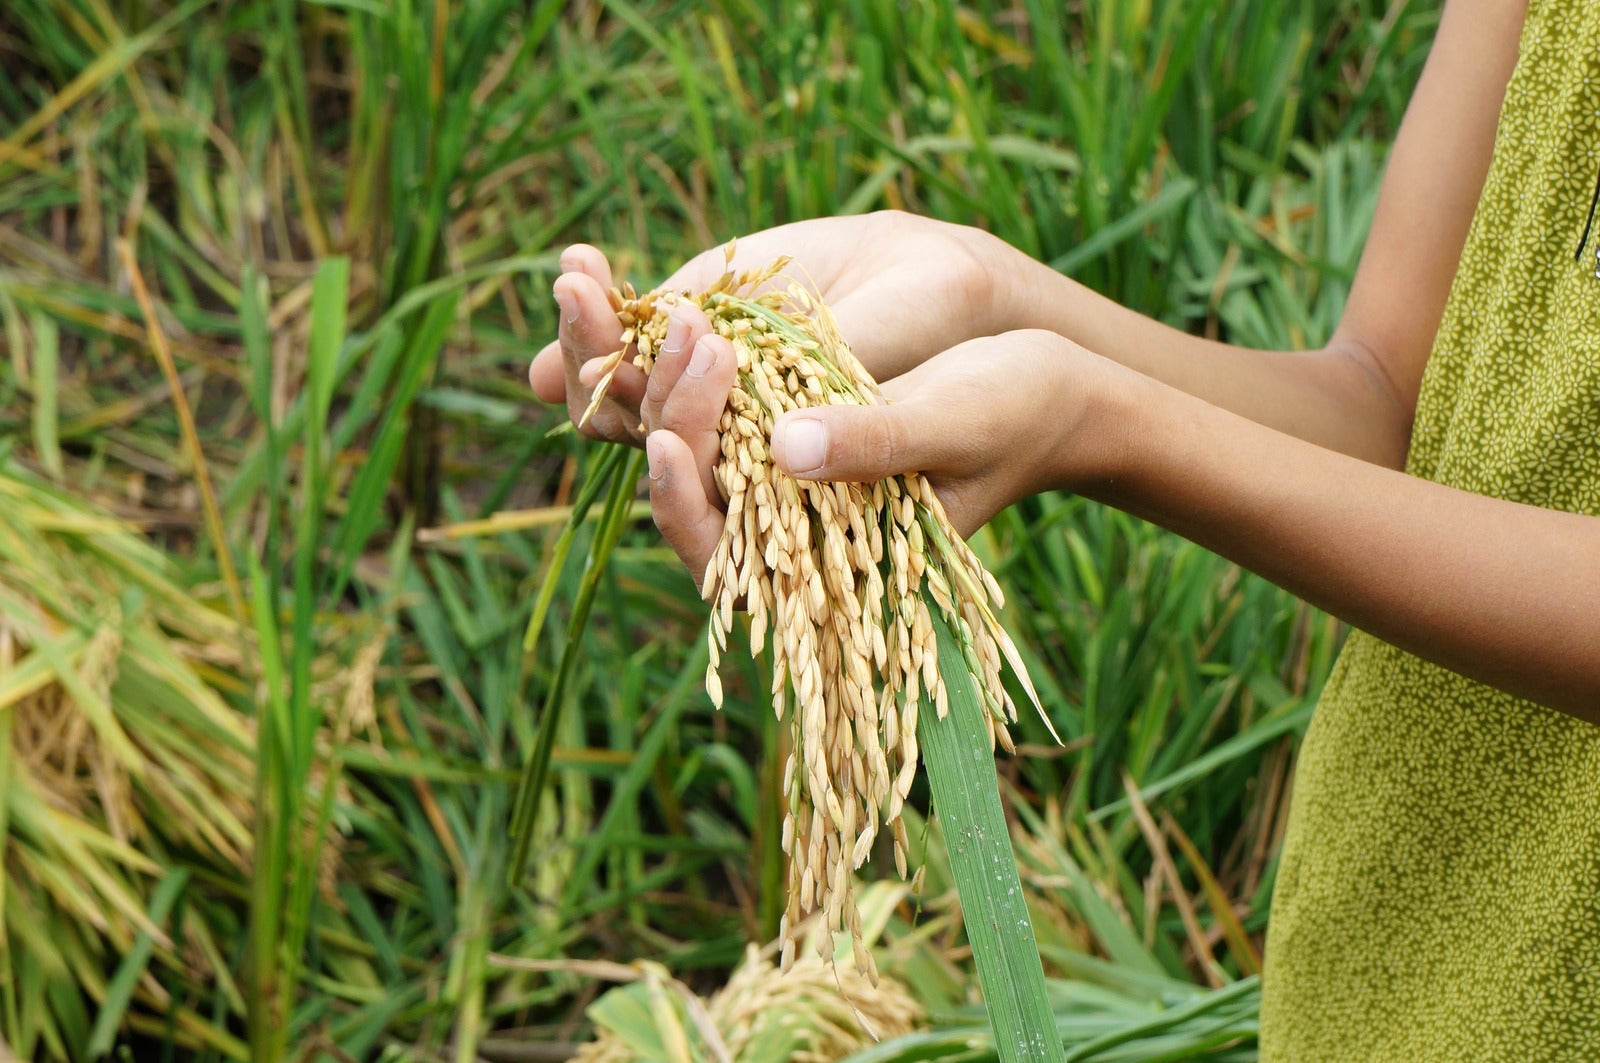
{"x":1285,"y":462}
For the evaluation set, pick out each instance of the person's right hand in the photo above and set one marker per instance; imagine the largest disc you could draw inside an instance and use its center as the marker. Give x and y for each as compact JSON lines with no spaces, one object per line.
{"x":902,"y":288}
{"x":988,"y":422}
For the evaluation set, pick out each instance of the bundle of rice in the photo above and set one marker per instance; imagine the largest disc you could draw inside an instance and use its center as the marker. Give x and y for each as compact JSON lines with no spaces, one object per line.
{"x":880,"y":622}
{"x":813,"y":1013}
{"x":843,"y":574}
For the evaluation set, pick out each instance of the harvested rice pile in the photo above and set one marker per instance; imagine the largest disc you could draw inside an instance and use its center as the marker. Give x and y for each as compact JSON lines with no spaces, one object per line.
{"x":841,"y":580}
{"x":811,"y":1013}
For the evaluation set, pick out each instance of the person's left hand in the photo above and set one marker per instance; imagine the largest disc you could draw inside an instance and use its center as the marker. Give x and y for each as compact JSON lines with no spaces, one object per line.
{"x":900,"y":287}
{"x":989,"y":422}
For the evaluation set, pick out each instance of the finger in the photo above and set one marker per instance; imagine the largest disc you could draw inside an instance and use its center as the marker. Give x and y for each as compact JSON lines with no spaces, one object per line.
{"x":679,"y":503}
{"x":627,"y":385}
{"x":685,"y":325}
{"x":587,"y":259}
{"x":547,"y":375}
{"x":588,"y":327}
{"x":862,"y":442}
{"x":589,"y":330}
{"x":904,"y":387}
{"x":611,"y":419}
{"x":694,"y":405}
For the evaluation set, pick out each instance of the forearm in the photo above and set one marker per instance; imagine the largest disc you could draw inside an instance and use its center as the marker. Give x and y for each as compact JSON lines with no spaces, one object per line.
{"x":1357,"y":395}
{"x":1501,"y":592}
{"x":1335,"y":397}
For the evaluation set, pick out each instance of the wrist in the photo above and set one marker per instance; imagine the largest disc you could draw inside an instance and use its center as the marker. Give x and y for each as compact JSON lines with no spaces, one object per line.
{"x":1038,"y":297}
{"x":1004,"y":285}
{"x":1110,"y":454}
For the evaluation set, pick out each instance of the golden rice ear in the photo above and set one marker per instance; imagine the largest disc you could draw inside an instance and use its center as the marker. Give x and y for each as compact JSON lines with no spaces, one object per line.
{"x":878,"y":610}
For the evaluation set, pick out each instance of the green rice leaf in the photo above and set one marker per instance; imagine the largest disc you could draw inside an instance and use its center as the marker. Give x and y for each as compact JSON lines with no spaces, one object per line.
{"x":119,"y":993}
{"x":966,"y":795}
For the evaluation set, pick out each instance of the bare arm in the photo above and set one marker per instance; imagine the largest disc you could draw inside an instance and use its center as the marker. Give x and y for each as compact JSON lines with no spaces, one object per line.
{"x":1501,"y":592}
{"x":904,"y":288}
{"x":1358,"y":394}
{"x":1273,"y":459}
{"x":1498,"y":591}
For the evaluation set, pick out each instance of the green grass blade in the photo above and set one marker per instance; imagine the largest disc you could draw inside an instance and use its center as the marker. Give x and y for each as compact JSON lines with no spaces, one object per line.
{"x":1171,"y":197}
{"x":966,"y":795}
{"x":1119,"y":942}
{"x":558,"y":557}
{"x":627,"y":788}
{"x":1221,"y":998}
{"x":46,"y":350}
{"x":1203,"y":765}
{"x":119,"y":991}
{"x":272,"y":830}
{"x":366,"y":493}
{"x":612,"y":521}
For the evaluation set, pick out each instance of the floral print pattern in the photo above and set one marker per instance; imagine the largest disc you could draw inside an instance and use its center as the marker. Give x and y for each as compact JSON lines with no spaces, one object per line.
{"x":1438,"y":896}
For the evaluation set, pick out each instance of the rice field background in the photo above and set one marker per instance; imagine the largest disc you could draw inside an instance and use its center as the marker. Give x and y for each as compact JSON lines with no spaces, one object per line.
{"x":277,"y":506}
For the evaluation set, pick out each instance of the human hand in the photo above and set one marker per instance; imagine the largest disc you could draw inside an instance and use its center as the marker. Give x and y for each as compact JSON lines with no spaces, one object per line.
{"x":901,"y":287}
{"x":989,"y":421}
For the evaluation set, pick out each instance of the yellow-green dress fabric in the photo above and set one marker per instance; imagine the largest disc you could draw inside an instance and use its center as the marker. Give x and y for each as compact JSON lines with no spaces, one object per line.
{"x":1438,"y":897}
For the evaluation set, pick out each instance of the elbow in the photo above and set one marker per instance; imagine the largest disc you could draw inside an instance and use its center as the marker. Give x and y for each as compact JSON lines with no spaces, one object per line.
{"x":1384,"y":408}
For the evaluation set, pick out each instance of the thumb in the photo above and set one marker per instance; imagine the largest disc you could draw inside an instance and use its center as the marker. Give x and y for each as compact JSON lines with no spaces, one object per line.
{"x":854,"y":442}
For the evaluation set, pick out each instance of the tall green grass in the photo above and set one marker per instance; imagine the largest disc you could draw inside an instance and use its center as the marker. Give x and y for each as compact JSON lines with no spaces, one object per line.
{"x":348,"y":216}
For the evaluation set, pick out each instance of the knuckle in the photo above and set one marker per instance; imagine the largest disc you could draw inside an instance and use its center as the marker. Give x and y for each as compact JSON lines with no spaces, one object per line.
{"x":691,"y":409}
{"x":650,"y":414}
{"x":977,"y":280}
{"x":652,"y":407}
{"x":884,"y":443}
{"x":1034,"y":337}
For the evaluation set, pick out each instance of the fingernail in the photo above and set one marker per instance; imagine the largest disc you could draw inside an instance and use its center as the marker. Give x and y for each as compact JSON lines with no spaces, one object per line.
{"x":656,"y":457}
{"x":805,"y":444}
{"x":677,"y":333}
{"x":568,"y":304}
{"x":701,"y":361}
{"x":590,"y":372}
{"x":569,"y":263}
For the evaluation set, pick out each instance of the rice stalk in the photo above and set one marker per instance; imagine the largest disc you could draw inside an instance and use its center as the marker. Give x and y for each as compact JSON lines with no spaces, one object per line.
{"x":619,"y":475}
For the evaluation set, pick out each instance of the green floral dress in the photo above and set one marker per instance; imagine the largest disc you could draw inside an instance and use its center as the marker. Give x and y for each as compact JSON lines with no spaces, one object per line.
{"x":1439,"y":893}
